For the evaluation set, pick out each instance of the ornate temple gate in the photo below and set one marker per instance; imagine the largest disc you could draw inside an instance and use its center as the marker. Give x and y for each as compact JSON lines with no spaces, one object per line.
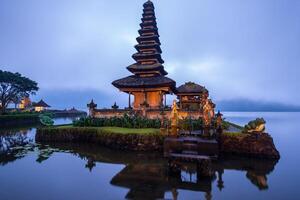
{"x":190,"y":141}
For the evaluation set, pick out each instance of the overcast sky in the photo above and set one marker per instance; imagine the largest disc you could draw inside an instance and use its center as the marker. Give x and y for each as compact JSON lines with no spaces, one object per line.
{"x":74,"y":49}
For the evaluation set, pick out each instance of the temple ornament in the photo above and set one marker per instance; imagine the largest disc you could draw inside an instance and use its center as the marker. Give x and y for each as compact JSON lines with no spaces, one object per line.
{"x":208,"y":113}
{"x":255,"y":126}
{"x":174,"y":119}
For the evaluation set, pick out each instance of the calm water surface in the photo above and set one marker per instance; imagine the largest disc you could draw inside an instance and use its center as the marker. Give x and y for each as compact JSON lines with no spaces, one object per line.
{"x":56,"y":171}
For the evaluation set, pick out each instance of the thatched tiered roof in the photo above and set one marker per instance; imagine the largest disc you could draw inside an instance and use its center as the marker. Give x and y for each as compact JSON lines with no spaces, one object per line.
{"x":41,"y":103}
{"x":148,"y":70}
{"x":148,"y":47}
{"x":145,"y":82}
{"x":191,"y":87}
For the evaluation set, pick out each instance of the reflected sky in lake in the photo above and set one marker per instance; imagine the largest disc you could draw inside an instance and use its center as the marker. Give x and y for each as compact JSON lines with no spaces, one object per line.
{"x":60,"y":171}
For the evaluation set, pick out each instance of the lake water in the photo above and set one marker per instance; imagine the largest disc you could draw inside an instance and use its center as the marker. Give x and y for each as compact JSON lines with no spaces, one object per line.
{"x":56,"y":171}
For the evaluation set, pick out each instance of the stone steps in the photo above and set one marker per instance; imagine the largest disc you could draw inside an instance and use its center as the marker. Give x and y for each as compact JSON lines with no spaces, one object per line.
{"x":190,"y":148}
{"x":189,"y":157}
{"x":186,"y":152}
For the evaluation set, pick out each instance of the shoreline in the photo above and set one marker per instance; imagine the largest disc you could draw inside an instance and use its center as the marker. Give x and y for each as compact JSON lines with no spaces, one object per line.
{"x":19,"y":120}
{"x":247,"y":145}
{"x":27,"y":119}
{"x":150,"y":141}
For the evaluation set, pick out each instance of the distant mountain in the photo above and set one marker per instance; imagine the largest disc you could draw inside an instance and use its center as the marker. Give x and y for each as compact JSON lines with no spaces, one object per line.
{"x":61,"y":99}
{"x":244,"y":105}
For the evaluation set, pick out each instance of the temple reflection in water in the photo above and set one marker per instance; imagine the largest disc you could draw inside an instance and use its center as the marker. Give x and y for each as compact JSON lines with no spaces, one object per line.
{"x":150,"y":176}
{"x":91,"y":172}
{"x":146,"y":176}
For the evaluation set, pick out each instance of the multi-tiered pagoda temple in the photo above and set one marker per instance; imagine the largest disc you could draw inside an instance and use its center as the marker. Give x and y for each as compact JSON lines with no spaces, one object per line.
{"x":149,"y":84}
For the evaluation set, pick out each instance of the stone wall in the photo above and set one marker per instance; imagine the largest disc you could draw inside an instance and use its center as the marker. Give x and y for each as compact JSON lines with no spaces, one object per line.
{"x":249,"y":145}
{"x":133,"y":142}
{"x":109,"y":113}
{"x":254,"y":145}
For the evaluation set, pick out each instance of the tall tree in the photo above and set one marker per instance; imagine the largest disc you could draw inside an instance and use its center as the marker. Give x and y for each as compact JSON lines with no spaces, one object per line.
{"x":14,"y":87}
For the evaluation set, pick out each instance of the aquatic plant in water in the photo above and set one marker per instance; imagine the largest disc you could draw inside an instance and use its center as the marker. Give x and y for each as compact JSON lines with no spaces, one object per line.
{"x":46,"y":120}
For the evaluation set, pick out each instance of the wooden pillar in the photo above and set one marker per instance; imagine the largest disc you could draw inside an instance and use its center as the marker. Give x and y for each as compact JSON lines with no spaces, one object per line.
{"x":145,"y":97}
{"x":180,"y":100}
{"x":165,"y":99}
{"x":129,"y":100}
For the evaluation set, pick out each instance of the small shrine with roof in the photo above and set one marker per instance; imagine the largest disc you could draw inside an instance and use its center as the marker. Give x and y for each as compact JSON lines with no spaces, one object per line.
{"x":148,"y":85}
{"x":40,"y":106}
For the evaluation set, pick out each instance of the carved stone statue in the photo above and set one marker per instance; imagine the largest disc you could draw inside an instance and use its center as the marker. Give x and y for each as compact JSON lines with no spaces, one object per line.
{"x":219,"y":120}
{"x":257,"y":125}
{"x":207,"y":113}
{"x":174,"y":119}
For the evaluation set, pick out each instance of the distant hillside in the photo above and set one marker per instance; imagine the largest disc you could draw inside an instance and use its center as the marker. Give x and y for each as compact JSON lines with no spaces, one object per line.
{"x":61,"y":99}
{"x":252,"y":106}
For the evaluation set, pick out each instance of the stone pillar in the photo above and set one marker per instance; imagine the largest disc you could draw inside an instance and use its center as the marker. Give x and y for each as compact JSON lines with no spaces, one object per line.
{"x":92,"y":106}
{"x":91,"y":112}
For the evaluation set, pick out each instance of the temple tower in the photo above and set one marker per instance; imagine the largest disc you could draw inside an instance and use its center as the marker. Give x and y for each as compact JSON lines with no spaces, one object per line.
{"x":148,"y":84}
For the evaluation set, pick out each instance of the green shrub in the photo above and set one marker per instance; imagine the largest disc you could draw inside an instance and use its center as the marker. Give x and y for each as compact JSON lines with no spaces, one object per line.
{"x":126,"y":121}
{"x":133,"y":121}
{"x":191,"y":124}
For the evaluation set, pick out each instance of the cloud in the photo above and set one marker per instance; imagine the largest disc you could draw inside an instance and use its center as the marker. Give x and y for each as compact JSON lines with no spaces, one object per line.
{"x":230,"y":79}
{"x":237,"y":50}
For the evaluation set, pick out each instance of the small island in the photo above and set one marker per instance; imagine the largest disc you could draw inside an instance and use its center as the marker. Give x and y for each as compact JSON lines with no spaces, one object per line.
{"x":188,"y":130}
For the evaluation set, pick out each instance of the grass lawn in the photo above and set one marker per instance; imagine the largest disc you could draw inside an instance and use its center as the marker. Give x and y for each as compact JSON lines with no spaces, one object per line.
{"x":230,"y":124}
{"x":233,"y":134}
{"x":130,"y":130}
{"x":118,"y":130}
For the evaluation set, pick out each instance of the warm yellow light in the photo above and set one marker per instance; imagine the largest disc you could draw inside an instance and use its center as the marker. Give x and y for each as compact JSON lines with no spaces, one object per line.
{"x":39,"y":109}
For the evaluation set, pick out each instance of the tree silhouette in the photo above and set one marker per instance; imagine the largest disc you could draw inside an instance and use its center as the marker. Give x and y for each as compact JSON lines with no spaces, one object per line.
{"x":14,"y":87}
